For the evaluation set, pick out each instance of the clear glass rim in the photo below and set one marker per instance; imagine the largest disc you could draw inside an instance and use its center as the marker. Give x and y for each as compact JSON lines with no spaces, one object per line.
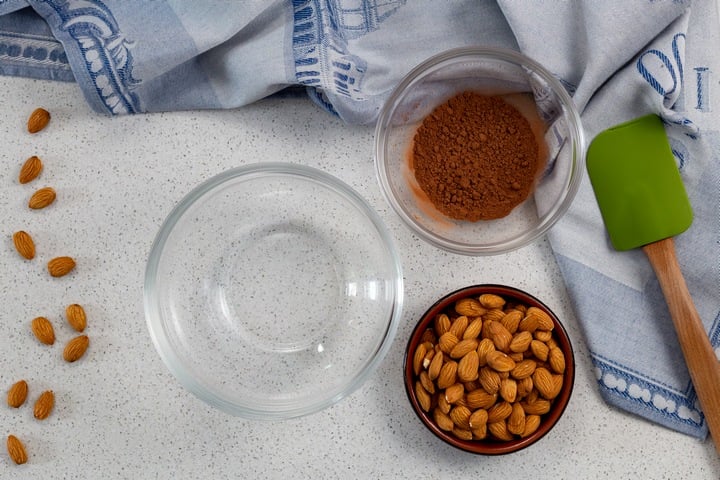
{"x":574,"y":124}
{"x":273,"y":409}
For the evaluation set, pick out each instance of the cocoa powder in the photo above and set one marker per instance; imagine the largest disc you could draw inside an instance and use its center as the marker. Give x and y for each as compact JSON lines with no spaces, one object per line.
{"x":475,"y":157}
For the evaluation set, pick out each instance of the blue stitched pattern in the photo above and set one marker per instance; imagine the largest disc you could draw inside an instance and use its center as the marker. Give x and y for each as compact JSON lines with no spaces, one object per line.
{"x":105,"y":51}
{"x":31,"y":50}
{"x":321,"y":31}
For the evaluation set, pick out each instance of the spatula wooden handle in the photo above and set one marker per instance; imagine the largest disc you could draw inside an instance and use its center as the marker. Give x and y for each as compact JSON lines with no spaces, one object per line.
{"x":700,"y":358}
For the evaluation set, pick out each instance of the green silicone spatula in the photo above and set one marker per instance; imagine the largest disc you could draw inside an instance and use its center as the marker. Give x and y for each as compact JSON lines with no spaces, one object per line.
{"x":644,"y":205}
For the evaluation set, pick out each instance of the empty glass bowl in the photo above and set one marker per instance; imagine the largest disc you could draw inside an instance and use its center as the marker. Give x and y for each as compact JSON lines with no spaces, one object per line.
{"x":272,"y":291}
{"x":489,"y":71}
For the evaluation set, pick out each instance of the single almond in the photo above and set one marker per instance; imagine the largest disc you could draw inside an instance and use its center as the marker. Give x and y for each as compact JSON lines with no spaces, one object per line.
{"x":525,"y":386}
{"x":489,"y":379}
{"x":499,"y":412}
{"x":543,"y":319}
{"x":460,"y":415}
{"x":458,"y":326}
{"x":442,"y":324}
{"x":484,"y":347}
{"x":532,"y":422}
{"x":443,"y":420}
{"x":538,"y":407}
{"x":480,"y":399}
{"x":59,"y":266}
{"x":478,"y":418}
{"x":418,"y":357}
{"x":462,"y":434}
{"x":426,"y":382}
{"x":435,"y":365}
{"x":44,"y":405}
{"x":42,"y":198}
{"x":508,"y":389}
{"x":39,"y":119}
{"x":463,"y":347}
{"x":556,"y":358}
{"x":469,"y":307}
{"x":500,"y":336}
{"x":516,"y":420}
{"x":30,"y":169}
{"x":491,"y":301}
{"x":43,"y":330}
{"x":543,"y":381}
{"x":511,"y":320}
{"x":76,"y":317}
{"x":448,"y":374}
{"x":523,"y":369}
{"x":468,"y":367}
{"x":423,"y":396}
{"x":447,"y":341}
{"x":499,"y":361}
{"x":76,"y":348}
{"x":521,"y":342}
{"x":17,"y":394}
{"x":473,"y":329}
{"x":24,"y":244}
{"x":540,"y":350}
{"x":443,"y":405}
{"x":499,"y":430}
{"x":16,"y":450}
{"x":454,"y":393}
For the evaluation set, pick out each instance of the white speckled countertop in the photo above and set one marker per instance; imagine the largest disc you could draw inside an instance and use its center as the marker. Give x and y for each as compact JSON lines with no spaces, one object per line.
{"x":121,"y":414}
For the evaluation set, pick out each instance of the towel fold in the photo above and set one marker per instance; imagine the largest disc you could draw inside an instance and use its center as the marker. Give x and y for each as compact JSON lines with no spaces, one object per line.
{"x":619,"y":59}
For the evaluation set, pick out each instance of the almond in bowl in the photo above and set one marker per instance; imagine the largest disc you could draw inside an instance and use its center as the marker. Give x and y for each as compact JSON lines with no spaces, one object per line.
{"x":489,"y":369}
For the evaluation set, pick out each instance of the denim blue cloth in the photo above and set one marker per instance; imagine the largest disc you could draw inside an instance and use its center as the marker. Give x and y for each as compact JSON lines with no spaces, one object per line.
{"x":620,"y":59}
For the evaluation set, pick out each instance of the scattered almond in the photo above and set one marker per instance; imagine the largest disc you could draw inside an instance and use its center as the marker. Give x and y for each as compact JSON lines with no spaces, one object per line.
{"x":38,"y":120}
{"x":17,"y":394}
{"x":30,"y":169}
{"x":76,"y":317}
{"x":24,"y":244}
{"x":76,"y":348}
{"x":43,"y":330}
{"x":42,"y":198}
{"x":59,"y":266}
{"x":16,"y":450}
{"x":44,"y":405}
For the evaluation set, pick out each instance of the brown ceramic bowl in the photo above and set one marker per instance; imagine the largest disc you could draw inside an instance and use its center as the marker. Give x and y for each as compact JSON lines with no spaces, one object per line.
{"x":489,"y":445}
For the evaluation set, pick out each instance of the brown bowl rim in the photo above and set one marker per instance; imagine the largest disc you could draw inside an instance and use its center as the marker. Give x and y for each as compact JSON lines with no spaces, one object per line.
{"x":549,"y":420}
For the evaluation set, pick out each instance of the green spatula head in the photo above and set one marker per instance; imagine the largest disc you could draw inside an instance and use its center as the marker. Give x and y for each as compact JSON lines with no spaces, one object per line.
{"x":637,"y":184}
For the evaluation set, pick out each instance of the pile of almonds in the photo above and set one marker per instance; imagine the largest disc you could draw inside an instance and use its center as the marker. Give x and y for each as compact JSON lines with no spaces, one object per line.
{"x":41,"y":326}
{"x":488,"y":369}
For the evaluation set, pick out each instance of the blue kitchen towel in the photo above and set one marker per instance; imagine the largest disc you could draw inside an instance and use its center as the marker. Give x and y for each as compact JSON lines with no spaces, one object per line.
{"x":620,"y":59}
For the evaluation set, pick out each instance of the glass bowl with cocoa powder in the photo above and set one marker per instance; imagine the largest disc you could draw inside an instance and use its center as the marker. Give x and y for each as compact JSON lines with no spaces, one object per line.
{"x":479,"y":150}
